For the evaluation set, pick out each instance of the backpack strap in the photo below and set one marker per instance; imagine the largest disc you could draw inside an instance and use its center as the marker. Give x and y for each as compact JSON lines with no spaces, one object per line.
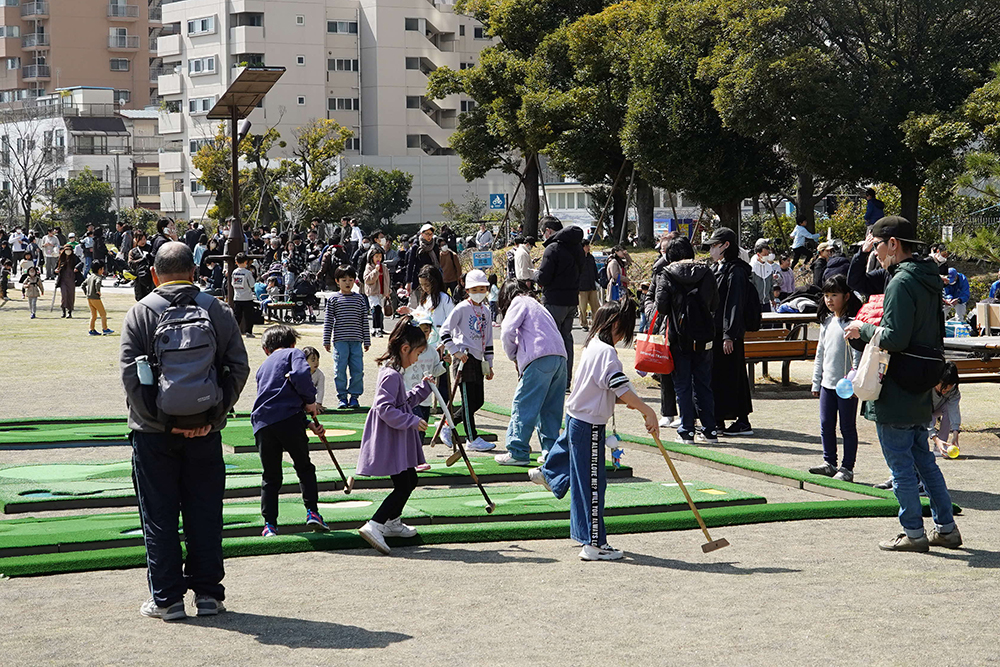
{"x":205,"y":300}
{"x":156,"y":303}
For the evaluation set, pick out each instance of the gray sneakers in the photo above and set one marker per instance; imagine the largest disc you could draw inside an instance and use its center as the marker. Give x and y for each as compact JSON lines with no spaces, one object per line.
{"x":826,"y":470}
{"x":174,"y":612}
{"x":903,"y":543}
{"x":207,"y":605}
{"x":952,"y":540}
{"x":844,"y":475}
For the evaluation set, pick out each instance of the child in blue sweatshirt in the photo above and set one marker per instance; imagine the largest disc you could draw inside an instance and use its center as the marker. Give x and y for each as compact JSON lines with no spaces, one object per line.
{"x":285,"y":393}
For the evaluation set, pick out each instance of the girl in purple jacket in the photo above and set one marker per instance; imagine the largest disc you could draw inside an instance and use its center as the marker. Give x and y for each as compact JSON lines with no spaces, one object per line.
{"x":392,"y":442}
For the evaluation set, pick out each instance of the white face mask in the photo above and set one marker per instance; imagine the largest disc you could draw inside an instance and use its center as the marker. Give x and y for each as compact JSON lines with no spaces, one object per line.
{"x":770,"y":258}
{"x":478,"y":298}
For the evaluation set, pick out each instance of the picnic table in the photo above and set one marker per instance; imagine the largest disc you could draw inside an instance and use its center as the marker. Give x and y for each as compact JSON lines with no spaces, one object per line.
{"x":788,"y":320}
{"x":981,"y":346}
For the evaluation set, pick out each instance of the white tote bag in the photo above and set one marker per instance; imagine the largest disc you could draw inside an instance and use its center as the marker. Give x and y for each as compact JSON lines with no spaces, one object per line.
{"x":871,"y":369}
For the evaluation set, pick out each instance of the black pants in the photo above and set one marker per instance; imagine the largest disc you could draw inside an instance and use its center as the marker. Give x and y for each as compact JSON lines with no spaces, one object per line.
{"x":378,"y":318}
{"x":473,"y":395}
{"x":800,"y":253}
{"x":288,"y":435}
{"x":245,"y":312}
{"x":176,"y":476}
{"x":668,"y":398}
{"x":402,"y":486}
{"x":142,"y":287}
{"x":423,"y":411}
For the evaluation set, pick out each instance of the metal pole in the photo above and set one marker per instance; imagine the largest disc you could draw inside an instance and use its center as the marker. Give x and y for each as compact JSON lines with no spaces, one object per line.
{"x":236,"y":230}
{"x":118,"y":188}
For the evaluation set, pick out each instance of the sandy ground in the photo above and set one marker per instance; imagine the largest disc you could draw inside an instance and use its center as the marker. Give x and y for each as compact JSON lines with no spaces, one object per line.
{"x":808,"y":592}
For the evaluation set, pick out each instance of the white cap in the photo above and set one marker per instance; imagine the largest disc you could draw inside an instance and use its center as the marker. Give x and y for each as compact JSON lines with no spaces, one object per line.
{"x":422,"y":316}
{"x":476,"y":278}
{"x":426,"y":226}
{"x":72,"y":235}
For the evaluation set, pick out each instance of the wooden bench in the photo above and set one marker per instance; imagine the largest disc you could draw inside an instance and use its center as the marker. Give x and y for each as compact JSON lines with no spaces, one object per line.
{"x":782,"y":345}
{"x":275,"y":311}
{"x":977,"y":370}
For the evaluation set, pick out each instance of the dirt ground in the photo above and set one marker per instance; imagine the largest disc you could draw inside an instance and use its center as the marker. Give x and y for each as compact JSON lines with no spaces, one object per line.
{"x":795,"y":593}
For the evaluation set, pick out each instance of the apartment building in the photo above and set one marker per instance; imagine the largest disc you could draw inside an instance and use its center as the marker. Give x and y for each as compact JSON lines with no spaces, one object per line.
{"x":362,"y":63}
{"x":53,"y":44}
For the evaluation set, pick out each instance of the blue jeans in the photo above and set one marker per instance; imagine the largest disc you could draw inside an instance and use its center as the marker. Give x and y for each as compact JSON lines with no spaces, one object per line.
{"x":908,"y":455}
{"x":538,"y":401}
{"x":692,"y":378}
{"x":177,"y":476}
{"x":829,"y":406}
{"x":576,"y":463}
{"x":349,"y":355}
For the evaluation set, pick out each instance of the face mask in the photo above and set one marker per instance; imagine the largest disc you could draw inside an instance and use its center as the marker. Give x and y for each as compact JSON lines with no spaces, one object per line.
{"x":770,"y":258}
{"x":366,"y":245}
{"x":478,"y":298}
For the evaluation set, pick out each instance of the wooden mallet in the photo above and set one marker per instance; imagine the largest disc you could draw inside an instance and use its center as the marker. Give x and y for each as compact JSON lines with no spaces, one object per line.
{"x":348,"y":483}
{"x":457,"y":439}
{"x":711,"y":545}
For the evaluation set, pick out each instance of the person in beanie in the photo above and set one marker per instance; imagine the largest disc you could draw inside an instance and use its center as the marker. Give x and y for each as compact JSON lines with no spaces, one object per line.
{"x":559,"y":278}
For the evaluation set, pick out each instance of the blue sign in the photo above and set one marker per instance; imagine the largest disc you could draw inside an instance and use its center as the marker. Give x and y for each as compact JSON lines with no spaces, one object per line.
{"x":498,"y":202}
{"x":482,"y":260}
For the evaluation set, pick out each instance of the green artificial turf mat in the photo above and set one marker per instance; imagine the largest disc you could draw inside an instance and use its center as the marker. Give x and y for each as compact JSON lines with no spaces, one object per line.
{"x":68,"y":486}
{"x":426,"y":506}
{"x":13,"y":435}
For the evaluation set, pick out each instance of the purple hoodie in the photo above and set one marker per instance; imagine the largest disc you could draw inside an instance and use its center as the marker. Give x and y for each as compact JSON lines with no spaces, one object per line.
{"x":528,"y":332}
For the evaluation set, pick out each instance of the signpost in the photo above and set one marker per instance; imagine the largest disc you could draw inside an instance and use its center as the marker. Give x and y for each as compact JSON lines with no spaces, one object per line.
{"x":482,"y":260}
{"x":498,"y":202}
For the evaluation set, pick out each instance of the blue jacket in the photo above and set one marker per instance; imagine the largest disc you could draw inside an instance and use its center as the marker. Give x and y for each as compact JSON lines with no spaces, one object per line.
{"x":873,"y":211}
{"x":994,"y":288}
{"x":280,"y":397}
{"x":960,"y":290}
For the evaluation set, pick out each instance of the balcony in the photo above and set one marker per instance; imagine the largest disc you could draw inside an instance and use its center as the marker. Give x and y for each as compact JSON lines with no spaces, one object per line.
{"x":154,"y":44}
{"x":35,"y":10}
{"x":121,"y":42}
{"x":171,"y":123}
{"x":156,"y":72}
{"x":168,"y":45}
{"x":172,"y":202}
{"x":91,"y":149}
{"x":36,"y":73}
{"x":170,"y":84}
{"x":35,"y":41}
{"x":246,"y":39}
{"x":156,"y":15}
{"x":117,"y":12}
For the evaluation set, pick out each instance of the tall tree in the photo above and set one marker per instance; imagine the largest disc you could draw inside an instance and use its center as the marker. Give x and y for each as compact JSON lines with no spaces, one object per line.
{"x":85,"y":200}
{"x":26,"y":162}
{"x":308,"y":177}
{"x":377,"y":196}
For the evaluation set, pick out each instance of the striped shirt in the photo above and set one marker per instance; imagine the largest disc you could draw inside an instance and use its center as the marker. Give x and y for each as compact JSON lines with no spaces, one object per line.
{"x":597,"y":382}
{"x":346,"y":318}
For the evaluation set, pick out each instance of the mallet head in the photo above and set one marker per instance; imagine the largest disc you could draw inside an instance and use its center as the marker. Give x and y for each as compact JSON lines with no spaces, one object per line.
{"x":715,"y":544}
{"x":489,"y":508}
{"x":349,"y":486}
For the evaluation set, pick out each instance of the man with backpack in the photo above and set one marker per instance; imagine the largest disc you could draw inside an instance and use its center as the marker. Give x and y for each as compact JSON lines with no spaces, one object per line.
{"x":559,"y":278}
{"x":183,"y":367}
{"x":687,"y":292}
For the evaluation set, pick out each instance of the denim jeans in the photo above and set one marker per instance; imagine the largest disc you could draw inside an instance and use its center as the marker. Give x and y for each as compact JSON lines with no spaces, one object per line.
{"x":173,"y":476}
{"x":349,"y":355}
{"x":576,"y":464}
{"x":829,"y":406}
{"x":692,"y":378}
{"x":908,"y":455}
{"x":538,"y":401}
{"x":563,"y":315}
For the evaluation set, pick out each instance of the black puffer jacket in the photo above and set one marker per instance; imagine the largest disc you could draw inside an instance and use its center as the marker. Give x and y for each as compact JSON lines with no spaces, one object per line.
{"x":559,"y":271}
{"x":677,"y":279}
{"x":588,"y":274}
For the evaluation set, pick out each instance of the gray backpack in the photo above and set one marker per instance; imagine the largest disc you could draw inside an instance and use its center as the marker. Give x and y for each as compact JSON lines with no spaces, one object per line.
{"x":184,"y":350}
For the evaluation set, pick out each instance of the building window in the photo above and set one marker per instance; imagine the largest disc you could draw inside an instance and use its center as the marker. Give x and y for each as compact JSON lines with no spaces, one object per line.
{"x":353,"y":144}
{"x":342,"y":27}
{"x":300,"y":19}
{"x":301,"y":100}
{"x":252,"y":19}
{"x":123,"y":96}
{"x":343,"y":104}
{"x":342,"y":65}
{"x":461,"y":31}
{"x":10,"y":31}
{"x":201,"y":65}
{"x":147,"y":186}
{"x":15,"y":63}
{"x":197,"y":187}
{"x":468,"y":105}
{"x":466,"y":65}
{"x":300,"y":60}
{"x":413,"y":63}
{"x":479,"y":33}
{"x":413,"y":141}
{"x":201,"y":105}
{"x":411,"y":24}
{"x":412,"y":101}
{"x":201,"y":26}
{"x":118,"y":64}
{"x":195,"y":145}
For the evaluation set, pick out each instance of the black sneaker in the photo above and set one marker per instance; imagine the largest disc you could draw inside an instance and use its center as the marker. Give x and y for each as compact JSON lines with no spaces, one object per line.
{"x":686,"y":437}
{"x":737,"y":428}
{"x":710,"y":436}
{"x":887,"y":484}
{"x":826,"y":470}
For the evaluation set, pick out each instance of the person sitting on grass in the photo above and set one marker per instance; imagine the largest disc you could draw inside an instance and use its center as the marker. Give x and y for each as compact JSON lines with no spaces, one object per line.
{"x":285,"y":394}
{"x":945,"y":402}
{"x":92,"y":290}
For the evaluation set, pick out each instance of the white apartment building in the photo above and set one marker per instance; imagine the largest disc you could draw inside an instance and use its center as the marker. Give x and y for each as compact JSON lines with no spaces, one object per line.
{"x":362,"y":63}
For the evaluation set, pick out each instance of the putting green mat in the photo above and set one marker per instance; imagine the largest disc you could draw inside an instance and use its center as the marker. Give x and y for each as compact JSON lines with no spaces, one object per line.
{"x":426,"y":506}
{"x":64,"y":486}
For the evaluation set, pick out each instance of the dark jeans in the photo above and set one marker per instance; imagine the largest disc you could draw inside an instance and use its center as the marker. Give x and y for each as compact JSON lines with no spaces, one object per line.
{"x":564,"y":316}
{"x":829,"y":406}
{"x":245,"y":312}
{"x":176,"y":476}
{"x":378,"y":318}
{"x":802,"y":252}
{"x":402,"y":486}
{"x":693,"y":383}
{"x":423,"y":411}
{"x":668,"y":398}
{"x":288,"y":435}
{"x":472,"y":394}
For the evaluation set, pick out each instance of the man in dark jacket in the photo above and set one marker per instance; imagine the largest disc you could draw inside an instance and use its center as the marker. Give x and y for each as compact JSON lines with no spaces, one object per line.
{"x":424,"y":251}
{"x":668,"y":397}
{"x":559,"y":278}
{"x":687,"y":292}
{"x":177,"y":462}
{"x":911,"y":321}
{"x":588,"y":298}
{"x":165,"y":233}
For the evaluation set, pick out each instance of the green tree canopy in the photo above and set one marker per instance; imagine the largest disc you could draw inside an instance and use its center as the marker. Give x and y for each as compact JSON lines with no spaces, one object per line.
{"x":375,"y":196}
{"x":85,"y":200}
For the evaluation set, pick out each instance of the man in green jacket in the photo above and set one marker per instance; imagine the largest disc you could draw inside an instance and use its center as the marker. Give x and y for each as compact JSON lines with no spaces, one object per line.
{"x":911,"y":316}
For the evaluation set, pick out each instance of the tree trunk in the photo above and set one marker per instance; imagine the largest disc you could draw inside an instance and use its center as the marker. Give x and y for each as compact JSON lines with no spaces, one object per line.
{"x":729,"y":214}
{"x":805,"y":200}
{"x":756,"y":206}
{"x":529,"y":179}
{"x":619,"y":203}
{"x":909,"y":200}
{"x":644,"y":209}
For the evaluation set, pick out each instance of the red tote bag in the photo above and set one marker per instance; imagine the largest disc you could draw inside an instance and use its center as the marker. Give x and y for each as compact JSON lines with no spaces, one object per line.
{"x":652,"y":354}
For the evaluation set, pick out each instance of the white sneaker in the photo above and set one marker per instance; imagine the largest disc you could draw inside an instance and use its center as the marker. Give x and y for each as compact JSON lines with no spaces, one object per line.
{"x":396,"y":528}
{"x":665,"y":422}
{"x":507,"y":459}
{"x":606,"y":552}
{"x":541,"y":457}
{"x":676,"y":423}
{"x":446,"y":436}
{"x":174,"y":612}
{"x":536,"y":476}
{"x":480,"y":445}
{"x":373,"y":533}
{"x":207,"y":605}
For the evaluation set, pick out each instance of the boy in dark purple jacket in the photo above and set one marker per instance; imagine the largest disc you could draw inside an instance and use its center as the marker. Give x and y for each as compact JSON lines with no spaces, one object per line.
{"x":285,"y":393}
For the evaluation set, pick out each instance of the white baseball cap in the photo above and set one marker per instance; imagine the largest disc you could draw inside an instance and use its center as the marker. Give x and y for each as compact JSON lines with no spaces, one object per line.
{"x":426,"y":226}
{"x":476,"y":278}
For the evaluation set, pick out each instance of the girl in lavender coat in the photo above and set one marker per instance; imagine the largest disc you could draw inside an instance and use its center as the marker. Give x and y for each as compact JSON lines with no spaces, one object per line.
{"x":532,"y":341}
{"x":392,"y":441}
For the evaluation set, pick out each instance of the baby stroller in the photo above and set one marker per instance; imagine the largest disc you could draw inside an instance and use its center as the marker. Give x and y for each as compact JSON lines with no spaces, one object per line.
{"x":304,"y":298}
{"x":276,"y":271}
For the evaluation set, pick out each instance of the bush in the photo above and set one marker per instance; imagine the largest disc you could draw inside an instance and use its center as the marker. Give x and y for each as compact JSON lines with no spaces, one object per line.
{"x":981,"y":247}
{"x":979,"y":288}
{"x":848,"y":222}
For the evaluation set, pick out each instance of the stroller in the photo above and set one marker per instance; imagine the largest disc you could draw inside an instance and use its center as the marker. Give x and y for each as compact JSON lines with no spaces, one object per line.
{"x":304,"y":298}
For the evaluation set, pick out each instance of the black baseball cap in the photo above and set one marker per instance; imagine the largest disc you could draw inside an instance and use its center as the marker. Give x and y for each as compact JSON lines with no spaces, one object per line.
{"x":895,"y":226}
{"x":721,"y":235}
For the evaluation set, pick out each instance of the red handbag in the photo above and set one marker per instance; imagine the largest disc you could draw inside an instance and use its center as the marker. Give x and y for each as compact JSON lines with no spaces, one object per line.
{"x":652,"y":353}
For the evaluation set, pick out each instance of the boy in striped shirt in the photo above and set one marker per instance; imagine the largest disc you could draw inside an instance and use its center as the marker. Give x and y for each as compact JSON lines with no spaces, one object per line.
{"x":346,"y":323}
